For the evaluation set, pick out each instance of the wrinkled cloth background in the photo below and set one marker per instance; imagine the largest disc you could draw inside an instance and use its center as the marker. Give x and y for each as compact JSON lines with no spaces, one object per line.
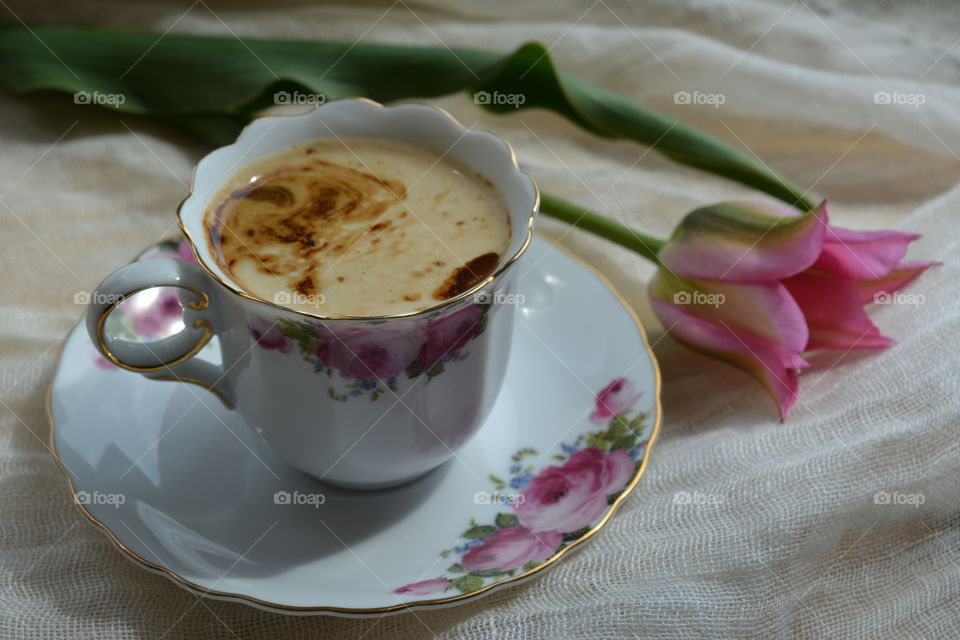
{"x":796,"y":546}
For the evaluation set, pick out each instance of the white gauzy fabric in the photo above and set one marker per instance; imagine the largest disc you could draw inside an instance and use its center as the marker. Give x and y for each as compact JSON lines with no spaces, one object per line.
{"x":789,"y":541}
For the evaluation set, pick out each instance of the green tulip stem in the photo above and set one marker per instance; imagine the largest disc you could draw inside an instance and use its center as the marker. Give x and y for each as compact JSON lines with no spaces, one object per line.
{"x":646,"y":246}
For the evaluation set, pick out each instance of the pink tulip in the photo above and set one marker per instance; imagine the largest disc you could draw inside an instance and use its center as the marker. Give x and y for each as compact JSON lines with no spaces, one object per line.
{"x":757,"y":285}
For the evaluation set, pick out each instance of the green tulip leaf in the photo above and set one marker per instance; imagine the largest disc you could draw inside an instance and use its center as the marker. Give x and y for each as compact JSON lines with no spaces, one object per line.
{"x":211,"y":86}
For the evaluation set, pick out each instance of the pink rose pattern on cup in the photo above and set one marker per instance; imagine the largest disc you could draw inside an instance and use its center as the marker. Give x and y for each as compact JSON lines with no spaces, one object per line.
{"x":548,"y":510}
{"x":369,"y":357}
{"x":450,"y":333}
{"x":270,"y":337}
{"x":362,"y":352}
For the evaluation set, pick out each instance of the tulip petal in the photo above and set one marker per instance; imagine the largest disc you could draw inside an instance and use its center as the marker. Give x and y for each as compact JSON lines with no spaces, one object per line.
{"x":766,"y":361}
{"x":767,"y":311}
{"x":897,"y":279}
{"x":862,"y":255}
{"x":745,"y":242}
{"x":834,"y":313}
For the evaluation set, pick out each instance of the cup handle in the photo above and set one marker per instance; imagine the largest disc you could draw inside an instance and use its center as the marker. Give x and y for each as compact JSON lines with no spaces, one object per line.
{"x":170,"y":358}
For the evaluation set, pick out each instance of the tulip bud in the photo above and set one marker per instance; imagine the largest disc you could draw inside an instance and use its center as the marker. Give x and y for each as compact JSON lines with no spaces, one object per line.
{"x":757,"y":285}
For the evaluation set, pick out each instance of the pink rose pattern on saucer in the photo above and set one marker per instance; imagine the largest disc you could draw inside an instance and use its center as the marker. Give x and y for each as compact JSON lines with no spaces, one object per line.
{"x":617,"y":396}
{"x":547,"y":510}
{"x":370,"y":357}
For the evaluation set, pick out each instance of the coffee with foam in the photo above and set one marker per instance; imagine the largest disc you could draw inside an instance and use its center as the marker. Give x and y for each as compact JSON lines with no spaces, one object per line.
{"x":357,"y":227}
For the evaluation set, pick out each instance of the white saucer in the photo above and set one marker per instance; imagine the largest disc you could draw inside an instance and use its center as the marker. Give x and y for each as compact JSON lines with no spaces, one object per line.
{"x":184,"y":488}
